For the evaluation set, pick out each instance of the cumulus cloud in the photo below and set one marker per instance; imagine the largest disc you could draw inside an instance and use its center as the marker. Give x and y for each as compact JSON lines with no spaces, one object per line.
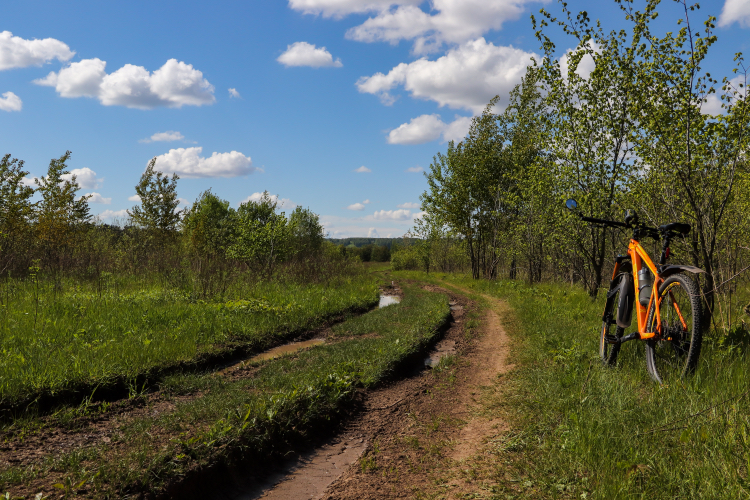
{"x":362,"y":170}
{"x":392,"y":215}
{"x":10,"y":102}
{"x":465,"y":77}
{"x":712,"y":104}
{"x":428,"y":128}
{"x":168,"y":136}
{"x":98,"y":198}
{"x":340,"y":8}
{"x":409,"y":205}
{"x":135,"y":198}
{"x":16,"y":52}
{"x":85,"y":177}
{"x":306,"y":54}
{"x":113,"y":215}
{"x":735,"y":11}
{"x":358,"y":206}
{"x":449,"y":21}
{"x":174,"y":85}
{"x":373,"y":233}
{"x":415,"y":170}
{"x":188,"y":162}
{"x":284,"y":203}
{"x":234,"y":94}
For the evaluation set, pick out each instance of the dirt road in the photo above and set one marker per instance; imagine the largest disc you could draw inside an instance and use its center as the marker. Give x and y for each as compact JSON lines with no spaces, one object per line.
{"x":420,"y":434}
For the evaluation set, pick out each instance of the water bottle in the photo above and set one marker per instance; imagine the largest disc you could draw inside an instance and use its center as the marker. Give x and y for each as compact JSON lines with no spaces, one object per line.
{"x":645,"y":282}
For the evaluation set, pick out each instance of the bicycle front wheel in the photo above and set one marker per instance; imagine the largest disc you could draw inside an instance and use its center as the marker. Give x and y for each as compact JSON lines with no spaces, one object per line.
{"x":673,"y":354}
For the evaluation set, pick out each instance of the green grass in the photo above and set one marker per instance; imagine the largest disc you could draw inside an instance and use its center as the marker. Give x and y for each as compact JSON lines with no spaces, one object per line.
{"x":53,"y":341}
{"x":587,"y":431}
{"x":282,"y":403}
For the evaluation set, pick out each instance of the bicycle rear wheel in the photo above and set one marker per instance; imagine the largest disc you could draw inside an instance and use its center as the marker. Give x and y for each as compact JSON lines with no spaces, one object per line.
{"x":674,"y":354}
{"x":608,"y":352}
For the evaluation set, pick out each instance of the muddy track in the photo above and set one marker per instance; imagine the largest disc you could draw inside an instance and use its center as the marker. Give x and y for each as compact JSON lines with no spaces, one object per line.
{"x":101,"y":420}
{"x":405,"y":431}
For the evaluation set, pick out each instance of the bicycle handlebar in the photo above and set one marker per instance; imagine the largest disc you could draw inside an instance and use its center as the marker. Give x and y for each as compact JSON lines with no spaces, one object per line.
{"x":650,"y":232}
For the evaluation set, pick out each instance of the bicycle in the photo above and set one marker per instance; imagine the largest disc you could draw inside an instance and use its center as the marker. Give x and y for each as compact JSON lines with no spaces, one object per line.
{"x":666,"y":301}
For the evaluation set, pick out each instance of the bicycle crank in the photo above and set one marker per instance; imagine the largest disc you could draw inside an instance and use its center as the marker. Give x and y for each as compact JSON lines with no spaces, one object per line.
{"x":613,"y":339}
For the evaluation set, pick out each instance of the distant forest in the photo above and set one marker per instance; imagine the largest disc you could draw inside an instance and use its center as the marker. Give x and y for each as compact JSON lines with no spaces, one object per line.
{"x":361,"y":242}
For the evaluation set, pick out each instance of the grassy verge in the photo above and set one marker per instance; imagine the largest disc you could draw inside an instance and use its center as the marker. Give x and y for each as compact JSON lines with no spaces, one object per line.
{"x":587,"y":431}
{"x":51,"y":342}
{"x":248,"y":418}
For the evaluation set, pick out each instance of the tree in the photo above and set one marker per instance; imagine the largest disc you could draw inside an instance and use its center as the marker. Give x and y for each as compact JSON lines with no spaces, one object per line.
{"x":693,"y":158}
{"x":59,"y":214}
{"x":16,"y":215}
{"x":306,"y":233}
{"x":464,"y":186}
{"x":261,"y":235}
{"x":208,"y":230}
{"x":593,"y":124}
{"x":158,"y":196}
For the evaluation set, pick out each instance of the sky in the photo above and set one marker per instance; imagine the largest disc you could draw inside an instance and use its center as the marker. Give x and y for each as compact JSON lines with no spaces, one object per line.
{"x":338,"y":106}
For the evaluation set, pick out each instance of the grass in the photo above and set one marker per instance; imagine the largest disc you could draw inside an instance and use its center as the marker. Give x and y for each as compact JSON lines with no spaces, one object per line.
{"x":583,"y":430}
{"x":284,"y":402}
{"x":51,"y":341}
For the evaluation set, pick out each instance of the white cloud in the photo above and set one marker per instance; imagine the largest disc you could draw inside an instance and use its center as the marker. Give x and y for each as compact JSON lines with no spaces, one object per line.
{"x":419,"y":130}
{"x":449,"y":21}
{"x":10,"y":102}
{"x":415,"y":170}
{"x":284,"y":203}
{"x":465,"y":77}
{"x":15,"y":52}
{"x":306,"y":54}
{"x":392,"y":215}
{"x":234,"y":94}
{"x":358,"y":206}
{"x":362,"y":170}
{"x":457,"y":129}
{"x":168,"y":136}
{"x":409,"y":205}
{"x":373,"y":233}
{"x":113,"y":215}
{"x":428,"y":128}
{"x":735,"y":11}
{"x":135,"y":198}
{"x":585,"y":66}
{"x":174,"y":85}
{"x":28,"y":182}
{"x":340,"y":8}
{"x":85,"y":177}
{"x":97,"y":198}
{"x":188,"y":162}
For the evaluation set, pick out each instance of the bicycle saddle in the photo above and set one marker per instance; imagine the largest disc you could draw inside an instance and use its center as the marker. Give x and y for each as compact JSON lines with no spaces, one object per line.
{"x":679,"y":227}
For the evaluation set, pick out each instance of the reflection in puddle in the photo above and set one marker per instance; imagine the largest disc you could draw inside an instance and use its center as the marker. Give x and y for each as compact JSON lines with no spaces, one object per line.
{"x":387,"y":300}
{"x":284,"y":349}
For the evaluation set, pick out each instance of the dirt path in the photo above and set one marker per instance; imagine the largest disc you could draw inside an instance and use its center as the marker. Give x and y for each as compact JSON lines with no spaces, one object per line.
{"x":418,"y":432}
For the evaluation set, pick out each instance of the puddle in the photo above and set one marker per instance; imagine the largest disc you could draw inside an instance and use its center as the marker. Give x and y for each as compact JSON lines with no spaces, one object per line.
{"x":442,"y":349}
{"x":387,"y":300}
{"x":306,"y":477}
{"x":284,"y":349}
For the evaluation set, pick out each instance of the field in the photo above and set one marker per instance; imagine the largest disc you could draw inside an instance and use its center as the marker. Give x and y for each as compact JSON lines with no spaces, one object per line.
{"x":582,"y":430}
{"x":122,"y":334}
{"x":189,"y":420}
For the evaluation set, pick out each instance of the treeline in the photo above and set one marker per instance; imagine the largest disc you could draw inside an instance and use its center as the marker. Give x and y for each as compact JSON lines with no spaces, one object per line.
{"x":48,"y":229}
{"x":634,"y":133}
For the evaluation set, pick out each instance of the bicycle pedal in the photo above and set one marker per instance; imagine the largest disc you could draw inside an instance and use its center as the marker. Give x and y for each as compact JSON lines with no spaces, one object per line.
{"x":611,"y":339}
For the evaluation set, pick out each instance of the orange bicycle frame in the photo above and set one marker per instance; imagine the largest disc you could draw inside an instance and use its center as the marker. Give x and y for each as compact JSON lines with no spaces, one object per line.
{"x":639,"y":258}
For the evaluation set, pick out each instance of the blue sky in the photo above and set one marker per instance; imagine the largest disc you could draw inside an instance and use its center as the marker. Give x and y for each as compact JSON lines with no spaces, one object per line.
{"x":321,"y":89}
